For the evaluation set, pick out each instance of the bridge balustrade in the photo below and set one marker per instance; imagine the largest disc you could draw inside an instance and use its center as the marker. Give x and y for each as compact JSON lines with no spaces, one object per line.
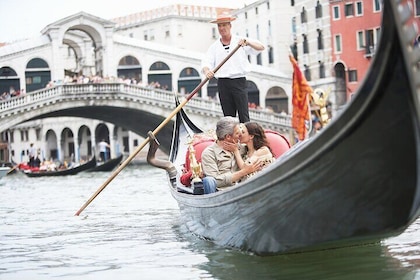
{"x":196,"y":105}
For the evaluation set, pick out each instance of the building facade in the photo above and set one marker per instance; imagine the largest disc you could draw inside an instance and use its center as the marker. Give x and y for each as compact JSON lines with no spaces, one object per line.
{"x":356,"y":30}
{"x":335,"y":42}
{"x":356,"y":27}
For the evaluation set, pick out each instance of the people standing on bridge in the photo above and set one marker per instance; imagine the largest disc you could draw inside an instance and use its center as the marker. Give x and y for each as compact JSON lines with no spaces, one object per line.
{"x":103,"y":150}
{"x":231,"y":80}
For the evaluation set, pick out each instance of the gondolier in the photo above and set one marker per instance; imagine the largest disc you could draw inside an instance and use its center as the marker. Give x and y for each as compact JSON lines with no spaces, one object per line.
{"x":231,"y":80}
{"x":32,"y":154}
{"x":103,"y":150}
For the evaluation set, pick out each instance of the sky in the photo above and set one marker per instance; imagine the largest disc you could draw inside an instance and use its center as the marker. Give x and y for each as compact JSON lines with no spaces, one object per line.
{"x":22,"y":19}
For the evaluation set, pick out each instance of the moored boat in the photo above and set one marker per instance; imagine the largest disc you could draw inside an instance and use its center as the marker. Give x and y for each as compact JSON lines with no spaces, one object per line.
{"x":354,"y":182}
{"x":108,"y":165}
{"x":37,"y":172}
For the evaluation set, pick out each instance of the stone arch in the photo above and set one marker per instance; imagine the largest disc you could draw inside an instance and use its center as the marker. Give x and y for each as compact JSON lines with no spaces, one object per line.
{"x":67,"y":145}
{"x":160,"y":73}
{"x":102,"y":133}
{"x":253,"y":93}
{"x":277,"y":99}
{"x":37,"y":74}
{"x":74,"y":45}
{"x":73,"y":51}
{"x":340,"y":84}
{"x":51,"y":151}
{"x":84,"y":26}
{"x":129,"y":67}
{"x":84,"y":142}
{"x":87,"y":35}
{"x":189,"y":79}
{"x":8,"y":78}
{"x":82,"y":53}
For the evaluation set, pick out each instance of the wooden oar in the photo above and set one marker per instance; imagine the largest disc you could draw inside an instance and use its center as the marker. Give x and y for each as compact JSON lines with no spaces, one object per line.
{"x":165,"y":122}
{"x":12,"y":169}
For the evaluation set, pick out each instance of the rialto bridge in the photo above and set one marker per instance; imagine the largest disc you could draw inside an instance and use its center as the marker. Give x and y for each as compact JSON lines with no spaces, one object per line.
{"x":83,"y":44}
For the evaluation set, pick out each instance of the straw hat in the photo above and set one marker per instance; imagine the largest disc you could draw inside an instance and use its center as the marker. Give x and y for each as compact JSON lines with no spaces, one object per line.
{"x":223,"y":17}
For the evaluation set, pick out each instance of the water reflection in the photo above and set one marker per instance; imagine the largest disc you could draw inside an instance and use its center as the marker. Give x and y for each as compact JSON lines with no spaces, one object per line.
{"x":132,"y":230}
{"x":387,"y":260}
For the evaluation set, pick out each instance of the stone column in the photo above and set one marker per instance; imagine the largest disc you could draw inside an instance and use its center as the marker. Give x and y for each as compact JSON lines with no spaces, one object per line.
{"x":57,"y":67}
{"x":107,"y":51}
{"x":59,"y":148}
{"x":93,"y":139}
{"x":112,"y":140}
{"x":76,"y":149}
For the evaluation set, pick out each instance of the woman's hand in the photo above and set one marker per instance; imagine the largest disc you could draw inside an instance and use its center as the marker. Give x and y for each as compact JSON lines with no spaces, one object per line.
{"x":230,"y":147}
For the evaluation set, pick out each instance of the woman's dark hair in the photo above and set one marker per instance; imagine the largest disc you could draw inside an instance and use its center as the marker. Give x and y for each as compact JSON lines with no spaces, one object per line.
{"x":259,"y":139}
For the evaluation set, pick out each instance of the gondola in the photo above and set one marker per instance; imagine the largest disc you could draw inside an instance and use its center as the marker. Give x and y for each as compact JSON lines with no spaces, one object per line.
{"x":108,"y":165}
{"x":355,"y":182}
{"x":61,"y":172}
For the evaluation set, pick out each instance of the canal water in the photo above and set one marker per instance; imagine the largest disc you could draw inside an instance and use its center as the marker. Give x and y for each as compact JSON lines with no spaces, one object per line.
{"x":132,"y":230}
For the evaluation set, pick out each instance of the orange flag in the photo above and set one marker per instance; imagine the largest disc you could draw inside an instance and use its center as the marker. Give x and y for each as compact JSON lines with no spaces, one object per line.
{"x":301,"y":92}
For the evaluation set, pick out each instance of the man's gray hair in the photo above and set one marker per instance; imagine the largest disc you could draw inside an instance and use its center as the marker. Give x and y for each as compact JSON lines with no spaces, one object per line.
{"x":226,"y":126}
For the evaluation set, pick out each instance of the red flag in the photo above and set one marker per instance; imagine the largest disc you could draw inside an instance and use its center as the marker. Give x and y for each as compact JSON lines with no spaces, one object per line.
{"x":301,"y":91}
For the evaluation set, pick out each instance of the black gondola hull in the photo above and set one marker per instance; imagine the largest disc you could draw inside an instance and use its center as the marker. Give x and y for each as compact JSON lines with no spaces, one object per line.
{"x":108,"y":165}
{"x":355,"y":182}
{"x":70,"y":171}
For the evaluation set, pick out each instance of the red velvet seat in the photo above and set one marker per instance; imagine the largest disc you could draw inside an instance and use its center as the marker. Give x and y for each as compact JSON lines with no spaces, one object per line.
{"x":278,"y":143}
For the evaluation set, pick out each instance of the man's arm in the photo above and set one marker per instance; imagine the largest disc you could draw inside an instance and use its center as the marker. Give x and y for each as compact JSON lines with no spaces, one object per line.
{"x":208,"y":61}
{"x":256,"y":45}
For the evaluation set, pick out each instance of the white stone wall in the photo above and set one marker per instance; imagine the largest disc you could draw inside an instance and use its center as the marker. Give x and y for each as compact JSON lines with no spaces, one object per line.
{"x":20,"y":145}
